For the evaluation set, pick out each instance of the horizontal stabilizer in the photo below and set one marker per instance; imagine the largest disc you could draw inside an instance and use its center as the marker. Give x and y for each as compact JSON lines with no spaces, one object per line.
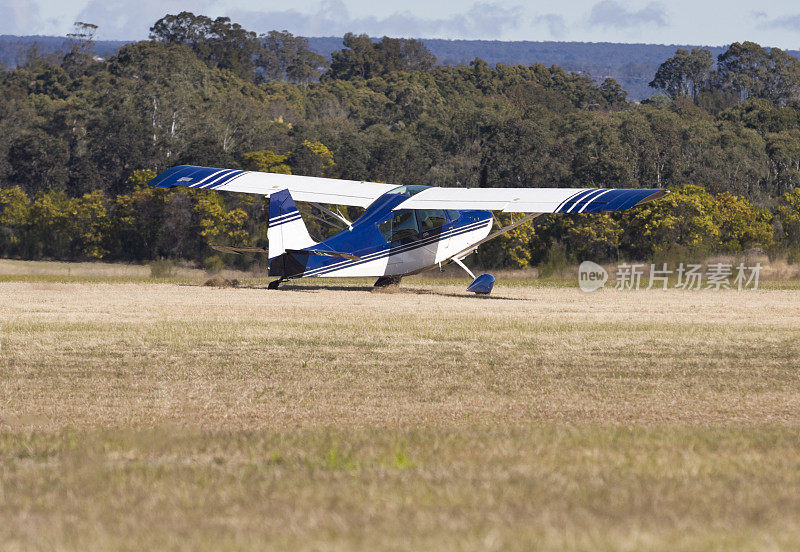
{"x":323,"y":253}
{"x":238,"y":250}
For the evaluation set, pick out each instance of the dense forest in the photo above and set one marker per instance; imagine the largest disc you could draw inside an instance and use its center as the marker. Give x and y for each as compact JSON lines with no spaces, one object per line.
{"x":631,"y":65}
{"x":80,"y":136}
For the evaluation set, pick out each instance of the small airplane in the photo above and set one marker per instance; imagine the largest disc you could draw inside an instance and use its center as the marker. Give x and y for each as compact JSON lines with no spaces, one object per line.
{"x":404,"y":229}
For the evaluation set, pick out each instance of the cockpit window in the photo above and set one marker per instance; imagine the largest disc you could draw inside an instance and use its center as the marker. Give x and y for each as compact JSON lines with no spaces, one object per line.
{"x":402,"y":225}
{"x":430,"y":219}
{"x":410,"y":190}
{"x":453,"y":214}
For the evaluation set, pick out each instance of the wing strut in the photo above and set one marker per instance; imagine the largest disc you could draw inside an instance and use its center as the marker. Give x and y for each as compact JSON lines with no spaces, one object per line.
{"x":462,"y":265}
{"x":335,"y":215}
{"x":323,"y":220}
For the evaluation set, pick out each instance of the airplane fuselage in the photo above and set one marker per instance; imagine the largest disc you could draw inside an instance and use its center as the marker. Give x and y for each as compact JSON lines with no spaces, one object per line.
{"x":390,"y":243}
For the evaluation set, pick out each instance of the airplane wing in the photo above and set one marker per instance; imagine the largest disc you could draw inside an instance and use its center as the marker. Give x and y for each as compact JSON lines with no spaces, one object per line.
{"x":302,"y":188}
{"x":361,"y":194}
{"x":531,"y":200}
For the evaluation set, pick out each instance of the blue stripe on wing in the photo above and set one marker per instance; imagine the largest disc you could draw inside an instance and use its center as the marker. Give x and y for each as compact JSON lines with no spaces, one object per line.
{"x":619,"y":200}
{"x":580,"y":202}
{"x":570,"y":203}
{"x":187,"y":175}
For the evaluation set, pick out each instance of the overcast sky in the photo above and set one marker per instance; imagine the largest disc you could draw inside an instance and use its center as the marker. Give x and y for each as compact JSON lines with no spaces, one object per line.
{"x":775,"y":23}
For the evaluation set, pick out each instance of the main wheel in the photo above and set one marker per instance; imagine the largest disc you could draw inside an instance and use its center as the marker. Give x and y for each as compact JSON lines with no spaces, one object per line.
{"x":274,"y":284}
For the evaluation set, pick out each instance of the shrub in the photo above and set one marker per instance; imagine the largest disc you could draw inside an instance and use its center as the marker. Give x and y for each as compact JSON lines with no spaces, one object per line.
{"x":793,"y":255}
{"x":214,"y":264}
{"x":556,"y":263}
{"x":162,"y":268}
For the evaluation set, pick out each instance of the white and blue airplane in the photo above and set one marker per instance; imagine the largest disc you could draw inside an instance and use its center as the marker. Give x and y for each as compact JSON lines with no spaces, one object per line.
{"x":404,"y":229}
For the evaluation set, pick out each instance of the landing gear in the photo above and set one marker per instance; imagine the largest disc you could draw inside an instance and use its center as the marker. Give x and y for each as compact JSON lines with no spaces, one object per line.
{"x":385,"y":281}
{"x":482,"y":285}
{"x":274,"y":283}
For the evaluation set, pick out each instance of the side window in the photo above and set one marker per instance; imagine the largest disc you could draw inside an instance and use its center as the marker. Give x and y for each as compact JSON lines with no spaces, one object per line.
{"x":453,"y":214}
{"x":430,"y":219}
{"x":402,"y":225}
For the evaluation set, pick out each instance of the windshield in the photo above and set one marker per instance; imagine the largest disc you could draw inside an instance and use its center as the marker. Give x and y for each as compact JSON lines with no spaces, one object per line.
{"x":410,"y":190}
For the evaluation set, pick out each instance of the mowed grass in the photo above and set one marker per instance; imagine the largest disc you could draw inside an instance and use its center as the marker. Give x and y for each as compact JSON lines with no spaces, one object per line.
{"x":328,"y":417}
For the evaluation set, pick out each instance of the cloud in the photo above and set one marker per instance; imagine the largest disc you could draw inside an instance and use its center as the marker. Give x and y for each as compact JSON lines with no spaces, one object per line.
{"x":610,"y":13}
{"x":19,"y":17}
{"x":555,"y":24}
{"x":132,"y":20}
{"x":482,"y":20}
{"x":790,"y":22}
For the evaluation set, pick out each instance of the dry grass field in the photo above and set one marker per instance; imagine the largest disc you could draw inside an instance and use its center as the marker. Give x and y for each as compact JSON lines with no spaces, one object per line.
{"x":172,"y":416}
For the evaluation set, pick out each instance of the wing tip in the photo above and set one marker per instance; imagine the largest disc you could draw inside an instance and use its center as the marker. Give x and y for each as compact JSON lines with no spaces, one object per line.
{"x":657,"y":194}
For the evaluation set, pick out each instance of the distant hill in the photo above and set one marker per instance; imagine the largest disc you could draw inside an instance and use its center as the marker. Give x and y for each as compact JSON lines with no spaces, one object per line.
{"x":632,"y":65}
{"x":13,"y":49}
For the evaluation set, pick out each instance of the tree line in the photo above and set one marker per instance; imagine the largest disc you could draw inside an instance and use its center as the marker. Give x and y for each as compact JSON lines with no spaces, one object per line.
{"x":148,"y":223}
{"x":632,"y":65}
{"x":745,"y":70}
{"x":78,"y":135}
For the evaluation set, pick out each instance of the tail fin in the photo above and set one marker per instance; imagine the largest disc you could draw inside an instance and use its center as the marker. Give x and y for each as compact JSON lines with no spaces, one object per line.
{"x":286,"y":228}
